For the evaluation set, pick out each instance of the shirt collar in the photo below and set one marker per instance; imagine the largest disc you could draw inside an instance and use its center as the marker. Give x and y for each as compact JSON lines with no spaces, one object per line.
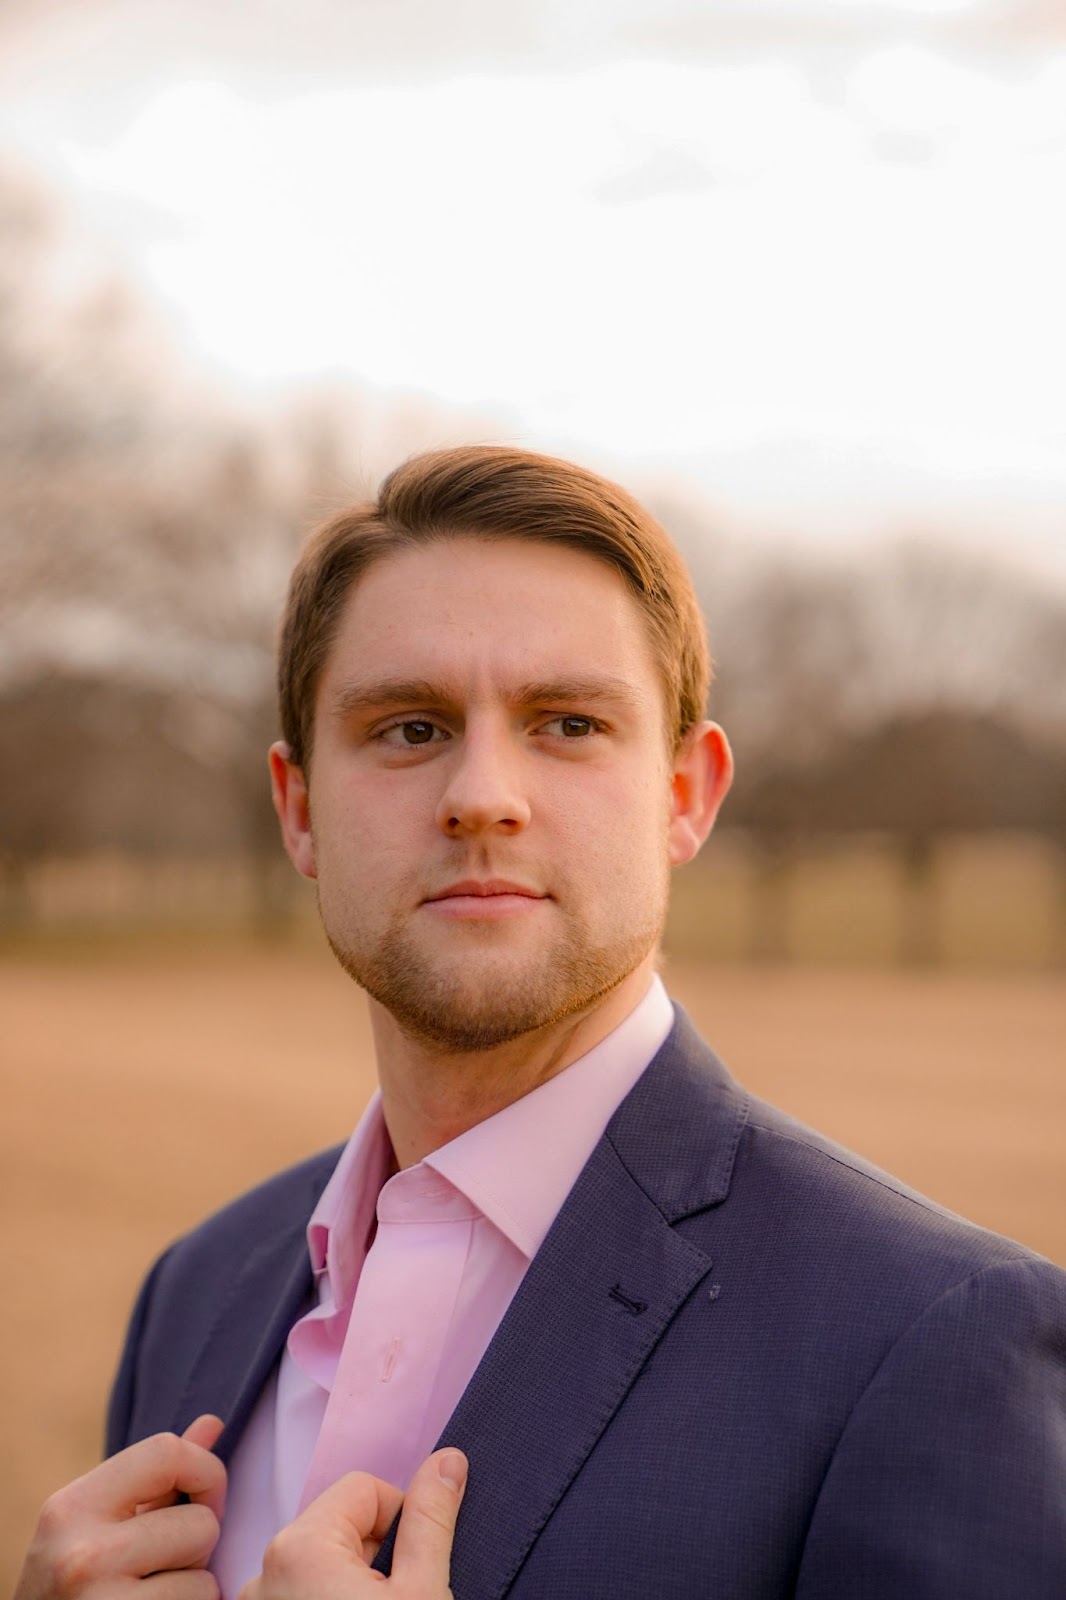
{"x":340,"y":1224}
{"x":517,"y":1167}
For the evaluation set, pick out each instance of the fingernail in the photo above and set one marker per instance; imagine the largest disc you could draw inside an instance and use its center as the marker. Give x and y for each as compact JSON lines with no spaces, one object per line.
{"x":452,"y":1467}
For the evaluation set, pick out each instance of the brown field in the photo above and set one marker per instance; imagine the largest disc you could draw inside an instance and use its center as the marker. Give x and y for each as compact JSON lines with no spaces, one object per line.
{"x":144,"y":1088}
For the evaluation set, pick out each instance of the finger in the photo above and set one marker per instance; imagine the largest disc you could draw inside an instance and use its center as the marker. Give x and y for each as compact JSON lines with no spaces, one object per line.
{"x":205,"y":1432}
{"x":154,"y":1468}
{"x":427,"y":1527}
{"x":321,"y":1553}
{"x":356,"y":1510}
{"x":197,"y":1585}
{"x":169,"y":1540}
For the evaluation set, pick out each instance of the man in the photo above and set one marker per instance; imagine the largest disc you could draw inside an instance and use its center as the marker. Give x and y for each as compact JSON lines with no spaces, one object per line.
{"x":688,"y":1347}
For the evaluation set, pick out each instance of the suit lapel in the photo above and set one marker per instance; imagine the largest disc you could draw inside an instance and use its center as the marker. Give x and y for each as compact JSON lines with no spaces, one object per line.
{"x":269,"y":1292}
{"x":236,"y":1370}
{"x":596,"y":1300}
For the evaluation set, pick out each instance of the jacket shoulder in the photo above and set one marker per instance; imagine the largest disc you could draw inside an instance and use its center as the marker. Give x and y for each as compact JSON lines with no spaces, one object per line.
{"x":735,"y":1171}
{"x":861,"y":1203}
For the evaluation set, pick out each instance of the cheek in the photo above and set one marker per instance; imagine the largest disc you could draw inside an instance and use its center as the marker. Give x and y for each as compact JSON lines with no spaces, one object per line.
{"x":619,"y":833}
{"x":354,"y":816}
{"x":639,"y":807}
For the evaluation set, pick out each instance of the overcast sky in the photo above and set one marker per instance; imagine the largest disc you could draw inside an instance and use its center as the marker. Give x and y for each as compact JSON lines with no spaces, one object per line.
{"x":807,"y":254}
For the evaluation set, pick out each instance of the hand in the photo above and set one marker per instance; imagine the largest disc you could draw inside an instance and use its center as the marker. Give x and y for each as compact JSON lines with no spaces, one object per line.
{"x":326,"y":1553}
{"x":121,"y":1523}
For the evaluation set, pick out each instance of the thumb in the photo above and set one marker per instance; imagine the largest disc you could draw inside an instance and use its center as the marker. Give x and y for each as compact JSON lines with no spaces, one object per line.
{"x":206,"y":1431}
{"x":427,"y":1525}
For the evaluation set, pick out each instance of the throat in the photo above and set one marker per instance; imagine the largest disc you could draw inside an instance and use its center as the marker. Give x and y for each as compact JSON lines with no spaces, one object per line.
{"x":431,"y":1094}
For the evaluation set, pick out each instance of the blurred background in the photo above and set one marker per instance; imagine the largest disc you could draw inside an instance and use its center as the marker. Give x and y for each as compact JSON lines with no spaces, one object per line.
{"x":789,"y":269}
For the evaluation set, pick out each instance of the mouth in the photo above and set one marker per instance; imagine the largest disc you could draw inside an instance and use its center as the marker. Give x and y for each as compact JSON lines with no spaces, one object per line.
{"x":485,"y":897}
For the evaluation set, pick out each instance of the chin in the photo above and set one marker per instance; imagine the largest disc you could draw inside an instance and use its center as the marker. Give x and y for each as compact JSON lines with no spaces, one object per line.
{"x":457,"y":1014}
{"x":480,"y":1000}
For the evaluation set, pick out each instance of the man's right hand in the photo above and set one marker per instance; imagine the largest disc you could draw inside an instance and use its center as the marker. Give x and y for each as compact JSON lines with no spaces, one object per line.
{"x":121,"y":1523}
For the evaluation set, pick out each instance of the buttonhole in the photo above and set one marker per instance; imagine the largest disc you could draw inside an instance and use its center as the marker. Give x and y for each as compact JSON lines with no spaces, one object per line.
{"x":388,"y":1365}
{"x":634,"y":1307}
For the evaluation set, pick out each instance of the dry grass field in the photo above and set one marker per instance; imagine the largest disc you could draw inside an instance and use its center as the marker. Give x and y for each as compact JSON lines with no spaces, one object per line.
{"x":145,"y":1086}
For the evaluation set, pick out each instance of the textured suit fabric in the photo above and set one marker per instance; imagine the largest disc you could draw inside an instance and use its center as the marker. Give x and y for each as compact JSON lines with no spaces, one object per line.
{"x":743,"y":1365}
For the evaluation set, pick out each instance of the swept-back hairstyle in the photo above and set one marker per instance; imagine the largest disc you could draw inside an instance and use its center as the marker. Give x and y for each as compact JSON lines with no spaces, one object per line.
{"x":491,"y":492}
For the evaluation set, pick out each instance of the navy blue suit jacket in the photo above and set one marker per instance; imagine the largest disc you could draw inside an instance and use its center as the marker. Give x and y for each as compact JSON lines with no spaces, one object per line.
{"x":744,"y":1365}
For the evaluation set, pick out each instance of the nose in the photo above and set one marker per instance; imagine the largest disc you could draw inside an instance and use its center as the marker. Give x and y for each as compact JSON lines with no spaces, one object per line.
{"x":484,"y":791}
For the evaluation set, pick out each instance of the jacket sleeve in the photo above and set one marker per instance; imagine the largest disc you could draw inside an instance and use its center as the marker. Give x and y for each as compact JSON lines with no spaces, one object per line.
{"x":950,"y":1477}
{"x":124,"y":1389}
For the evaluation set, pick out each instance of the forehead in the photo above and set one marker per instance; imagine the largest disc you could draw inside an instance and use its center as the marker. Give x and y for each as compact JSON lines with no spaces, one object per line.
{"x":469,"y":610}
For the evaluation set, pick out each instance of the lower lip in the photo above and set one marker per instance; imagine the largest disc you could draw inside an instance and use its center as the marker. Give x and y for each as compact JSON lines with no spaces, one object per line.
{"x":484,"y":906}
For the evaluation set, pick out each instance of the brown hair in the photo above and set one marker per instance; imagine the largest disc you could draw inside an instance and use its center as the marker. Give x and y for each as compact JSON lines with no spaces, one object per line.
{"x":491,"y":492}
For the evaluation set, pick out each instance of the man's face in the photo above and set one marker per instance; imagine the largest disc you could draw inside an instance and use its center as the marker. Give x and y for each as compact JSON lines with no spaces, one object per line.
{"x":491,"y":798}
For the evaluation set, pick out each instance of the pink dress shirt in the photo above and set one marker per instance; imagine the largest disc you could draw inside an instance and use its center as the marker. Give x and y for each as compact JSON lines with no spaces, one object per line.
{"x":418,"y":1270}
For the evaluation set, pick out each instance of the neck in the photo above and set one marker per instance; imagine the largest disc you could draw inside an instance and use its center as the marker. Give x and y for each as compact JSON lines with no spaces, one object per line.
{"x":430,"y":1096}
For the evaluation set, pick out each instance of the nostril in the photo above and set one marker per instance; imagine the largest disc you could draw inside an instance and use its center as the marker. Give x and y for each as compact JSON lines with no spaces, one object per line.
{"x":481,"y":819}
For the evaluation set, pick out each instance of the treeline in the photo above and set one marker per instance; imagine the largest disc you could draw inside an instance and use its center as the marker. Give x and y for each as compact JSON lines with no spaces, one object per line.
{"x":147,"y":526}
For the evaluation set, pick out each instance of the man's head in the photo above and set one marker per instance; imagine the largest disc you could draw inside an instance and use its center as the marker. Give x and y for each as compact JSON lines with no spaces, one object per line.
{"x":508,"y":752}
{"x":492,"y":493}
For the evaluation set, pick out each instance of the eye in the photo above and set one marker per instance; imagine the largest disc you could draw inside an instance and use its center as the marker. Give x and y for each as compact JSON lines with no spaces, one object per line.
{"x":411,"y":733}
{"x":573,"y":727}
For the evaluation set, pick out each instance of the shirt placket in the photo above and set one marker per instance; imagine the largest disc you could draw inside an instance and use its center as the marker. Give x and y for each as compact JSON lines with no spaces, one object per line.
{"x":375,"y":1419}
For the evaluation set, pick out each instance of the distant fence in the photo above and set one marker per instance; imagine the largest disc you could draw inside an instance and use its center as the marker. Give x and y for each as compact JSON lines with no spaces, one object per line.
{"x":994,"y":900}
{"x":111,"y":893}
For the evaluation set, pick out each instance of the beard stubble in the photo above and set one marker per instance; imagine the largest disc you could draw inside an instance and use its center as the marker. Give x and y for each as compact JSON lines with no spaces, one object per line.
{"x":485,"y":1007}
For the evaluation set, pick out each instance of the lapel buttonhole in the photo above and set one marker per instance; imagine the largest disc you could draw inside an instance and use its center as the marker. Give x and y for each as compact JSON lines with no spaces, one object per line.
{"x":634,"y":1307}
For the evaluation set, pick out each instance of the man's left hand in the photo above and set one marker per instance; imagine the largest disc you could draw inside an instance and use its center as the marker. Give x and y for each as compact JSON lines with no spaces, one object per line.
{"x":325,"y":1554}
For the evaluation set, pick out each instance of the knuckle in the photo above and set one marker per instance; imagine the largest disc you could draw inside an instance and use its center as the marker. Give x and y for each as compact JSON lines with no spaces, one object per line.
{"x":163,"y":1445}
{"x":439,"y":1511}
{"x":65,"y":1547}
{"x":201,"y":1526}
{"x":199,"y":1516}
{"x":190,"y":1584}
{"x":54,"y":1516}
{"x":74,"y":1563}
{"x":200,"y":1586}
{"x":157,"y":1453}
{"x":282,"y":1555}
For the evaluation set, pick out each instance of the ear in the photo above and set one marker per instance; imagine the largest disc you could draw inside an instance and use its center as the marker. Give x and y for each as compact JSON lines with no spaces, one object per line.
{"x":289,"y":790}
{"x":703,"y":772}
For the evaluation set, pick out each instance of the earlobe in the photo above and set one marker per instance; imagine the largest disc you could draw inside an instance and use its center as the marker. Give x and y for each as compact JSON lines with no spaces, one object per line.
{"x":703,"y":772}
{"x":288,"y":788}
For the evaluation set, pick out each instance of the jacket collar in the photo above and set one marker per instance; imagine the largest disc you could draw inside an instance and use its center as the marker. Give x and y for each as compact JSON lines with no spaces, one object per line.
{"x":678,"y":1130}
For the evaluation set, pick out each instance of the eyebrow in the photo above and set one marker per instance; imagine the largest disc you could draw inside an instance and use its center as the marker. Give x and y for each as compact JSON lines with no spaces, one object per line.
{"x":386,"y":694}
